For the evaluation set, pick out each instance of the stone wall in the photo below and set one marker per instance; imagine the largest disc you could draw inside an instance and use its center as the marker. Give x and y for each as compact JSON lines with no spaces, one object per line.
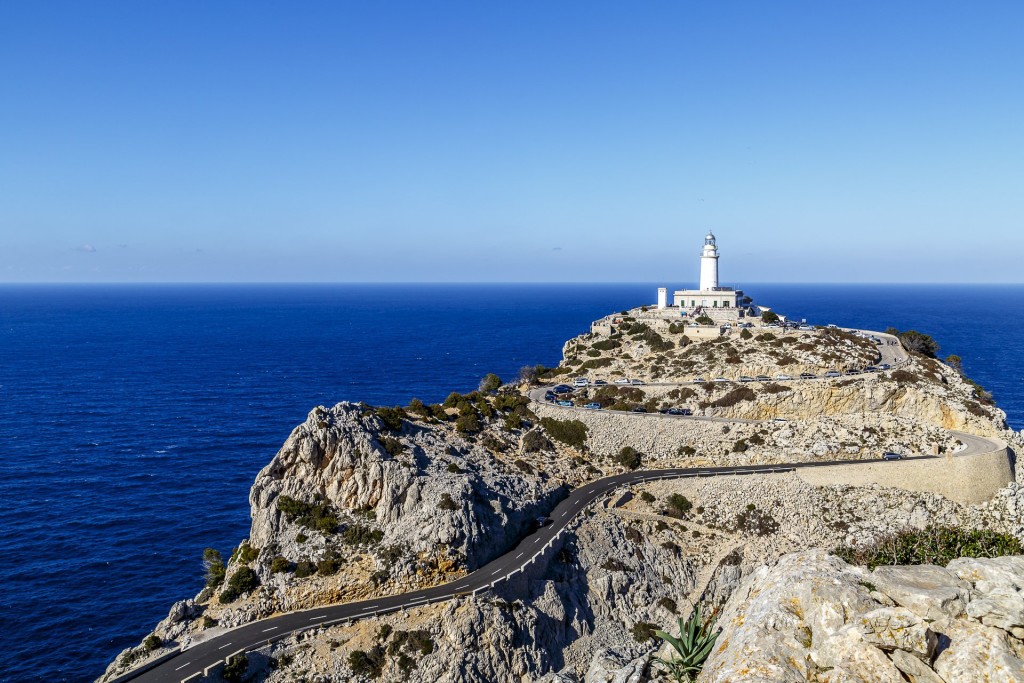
{"x":966,"y":479}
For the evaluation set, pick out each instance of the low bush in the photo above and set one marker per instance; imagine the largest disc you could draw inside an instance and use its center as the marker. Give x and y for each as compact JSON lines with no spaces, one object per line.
{"x":704,"y":320}
{"x":936,"y":545}
{"x":647,"y":497}
{"x":280,"y":565}
{"x":745,"y":334}
{"x":669,"y":604}
{"x":152,"y":642}
{"x":606,"y":344}
{"x":454,"y":469}
{"x":643,"y":631}
{"x":489,"y":383}
{"x":328,"y":566}
{"x":358,"y":534}
{"x":393,"y":446}
{"x":235,"y":669}
{"x":740,"y":446}
{"x":411,"y":641}
{"x":534,"y":441}
{"x":467,"y":424}
{"x":570,"y":432}
{"x":367,"y":663}
{"x":595,"y":363}
{"x":733,"y":397}
{"x":304,"y":568}
{"x":319,"y":515}
{"x":246,"y":553}
{"x":678,"y":505}
{"x":628,"y":457}
{"x":447,"y":503}
{"x":243,"y":581}
{"x":755,"y":521}
{"x":391,"y":417}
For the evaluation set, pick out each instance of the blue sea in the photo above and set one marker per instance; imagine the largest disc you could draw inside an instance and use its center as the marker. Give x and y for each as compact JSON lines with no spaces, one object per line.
{"x":133,"y":419}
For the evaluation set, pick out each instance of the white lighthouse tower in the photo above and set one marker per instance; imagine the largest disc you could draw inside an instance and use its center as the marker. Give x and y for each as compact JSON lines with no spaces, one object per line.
{"x":709,"y":264}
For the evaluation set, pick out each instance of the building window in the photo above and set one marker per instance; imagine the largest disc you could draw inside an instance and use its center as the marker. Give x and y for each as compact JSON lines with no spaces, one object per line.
{"x":714,"y":304}
{"x":725,"y":304}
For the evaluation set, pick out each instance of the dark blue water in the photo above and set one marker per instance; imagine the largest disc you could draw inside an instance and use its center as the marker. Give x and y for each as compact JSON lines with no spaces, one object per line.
{"x":134,"y":419}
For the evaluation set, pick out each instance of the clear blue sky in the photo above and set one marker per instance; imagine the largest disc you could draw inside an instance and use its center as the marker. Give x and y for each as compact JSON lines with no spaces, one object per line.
{"x":525,"y":141}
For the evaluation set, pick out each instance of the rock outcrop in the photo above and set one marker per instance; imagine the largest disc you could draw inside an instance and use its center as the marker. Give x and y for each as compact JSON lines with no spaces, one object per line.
{"x":811,"y":617}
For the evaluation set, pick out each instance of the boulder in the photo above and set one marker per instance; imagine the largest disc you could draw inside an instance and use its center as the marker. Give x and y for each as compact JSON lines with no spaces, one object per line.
{"x":926,"y":590}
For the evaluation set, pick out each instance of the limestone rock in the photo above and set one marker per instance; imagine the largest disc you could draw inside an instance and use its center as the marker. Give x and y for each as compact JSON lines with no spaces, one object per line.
{"x":978,"y":653}
{"x":928,"y":591}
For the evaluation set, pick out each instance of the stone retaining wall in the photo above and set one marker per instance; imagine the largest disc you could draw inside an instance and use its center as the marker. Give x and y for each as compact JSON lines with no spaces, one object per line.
{"x":968,"y":479}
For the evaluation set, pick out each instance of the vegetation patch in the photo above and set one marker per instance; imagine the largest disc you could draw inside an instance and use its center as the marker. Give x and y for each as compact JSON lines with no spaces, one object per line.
{"x":570,"y":432}
{"x":936,"y":545}
{"x":755,"y":521}
{"x":628,"y":457}
{"x":735,"y":396}
{"x":358,"y":534}
{"x":318,"y":515}
{"x":241,"y":582}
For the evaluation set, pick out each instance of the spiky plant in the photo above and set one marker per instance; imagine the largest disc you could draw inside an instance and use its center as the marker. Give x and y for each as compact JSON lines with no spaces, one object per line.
{"x":692,"y":647}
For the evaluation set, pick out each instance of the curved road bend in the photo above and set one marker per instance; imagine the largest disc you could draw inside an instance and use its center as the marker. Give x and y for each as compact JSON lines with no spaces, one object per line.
{"x":190,"y":664}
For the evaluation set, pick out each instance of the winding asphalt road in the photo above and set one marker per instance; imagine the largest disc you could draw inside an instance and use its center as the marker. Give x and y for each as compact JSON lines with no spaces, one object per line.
{"x":532,"y":552}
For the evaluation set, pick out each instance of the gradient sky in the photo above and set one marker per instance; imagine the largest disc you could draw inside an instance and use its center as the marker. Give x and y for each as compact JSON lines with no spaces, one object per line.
{"x":526,"y":141}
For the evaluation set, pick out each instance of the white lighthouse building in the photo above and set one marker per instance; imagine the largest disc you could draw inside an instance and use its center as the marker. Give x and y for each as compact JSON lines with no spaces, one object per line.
{"x":709,"y":264}
{"x":710,"y":297}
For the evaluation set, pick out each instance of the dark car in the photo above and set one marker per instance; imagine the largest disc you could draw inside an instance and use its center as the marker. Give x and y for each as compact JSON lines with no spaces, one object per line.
{"x":600,"y":382}
{"x":678,"y":411}
{"x":807,"y":375}
{"x":563,"y":389}
{"x":639,"y":409}
{"x":889,"y":455}
{"x":541,"y":522}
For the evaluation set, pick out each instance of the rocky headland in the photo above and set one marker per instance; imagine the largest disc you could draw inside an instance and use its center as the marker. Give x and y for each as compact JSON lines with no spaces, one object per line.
{"x":362,"y":502}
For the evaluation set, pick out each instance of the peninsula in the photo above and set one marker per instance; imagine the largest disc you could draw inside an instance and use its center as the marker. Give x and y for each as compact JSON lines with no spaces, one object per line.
{"x":825,"y":504}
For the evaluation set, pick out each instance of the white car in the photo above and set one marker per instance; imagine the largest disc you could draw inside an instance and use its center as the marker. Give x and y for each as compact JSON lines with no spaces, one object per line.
{"x":721,"y":379}
{"x":636,"y":382}
{"x":581,"y":382}
{"x":621,"y":380}
{"x":783,"y":378}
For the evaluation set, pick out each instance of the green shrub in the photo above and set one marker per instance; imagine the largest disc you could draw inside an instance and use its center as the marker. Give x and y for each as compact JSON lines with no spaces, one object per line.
{"x":208,"y":621}
{"x":393,"y":446}
{"x":214,"y":567}
{"x":755,"y":521}
{"x":534,"y":441}
{"x":319,"y":515}
{"x":606,"y":344}
{"x":454,"y":469}
{"x":933,"y":545}
{"x":301,"y":537}
{"x":367,"y":663}
{"x":304,"y":568}
{"x":704,"y":319}
{"x":419,"y":408}
{"x":678,"y":505}
{"x":669,"y":604}
{"x":686,"y":451}
{"x":358,"y":534}
{"x":243,"y":581}
{"x":769,"y":317}
{"x":328,"y":566}
{"x":391,"y":417}
{"x":489,"y":383}
{"x":152,"y":642}
{"x":467,"y":424}
{"x":571,"y":432}
{"x":628,"y":457}
{"x":647,"y":497}
{"x":643,"y":631}
{"x":745,"y":334}
{"x":919,"y":342}
{"x":235,"y":668}
{"x":411,"y":641}
{"x":280,"y":564}
{"x":447,"y":503}
{"x":733,"y":397}
{"x":614,"y":565}
{"x":246,"y":553}
{"x":595,"y":363}
{"x":740,"y":446}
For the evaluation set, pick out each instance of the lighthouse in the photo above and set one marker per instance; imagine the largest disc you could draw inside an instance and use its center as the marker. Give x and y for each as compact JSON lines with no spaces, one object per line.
{"x":709,"y":264}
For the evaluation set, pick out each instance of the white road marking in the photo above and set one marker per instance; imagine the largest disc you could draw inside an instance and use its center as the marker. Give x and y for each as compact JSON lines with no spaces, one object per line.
{"x":497,"y":572}
{"x":519,"y":555}
{"x":318,"y":618}
{"x":183,"y":666}
{"x":224,"y":646}
{"x":367,"y":609}
{"x":565,"y":513}
{"x":272,"y":628}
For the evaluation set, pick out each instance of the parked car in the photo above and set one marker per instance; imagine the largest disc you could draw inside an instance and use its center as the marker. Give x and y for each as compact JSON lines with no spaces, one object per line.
{"x":763,"y":378}
{"x":744,"y":378}
{"x":678,"y":411}
{"x":780,"y":419}
{"x":699,"y":380}
{"x":563,"y":389}
{"x":783,"y":377}
{"x":889,"y":455}
{"x":853,"y":371}
{"x":542,"y":522}
{"x":884,"y":366}
{"x":636,"y":382}
{"x":581,"y":382}
{"x":592,"y":406}
{"x":600,"y":382}
{"x":621,"y":380}
{"x":805,"y":328}
{"x":565,"y":404}
{"x":831,"y":326}
{"x":721,"y":379}
{"x":808,"y":375}
{"x":639,"y":409}
{"x":832,"y":373}
{"x":871,"y":368}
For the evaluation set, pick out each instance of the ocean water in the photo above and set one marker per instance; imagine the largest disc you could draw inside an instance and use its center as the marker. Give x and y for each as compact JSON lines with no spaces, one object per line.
{"x":133,"y":419}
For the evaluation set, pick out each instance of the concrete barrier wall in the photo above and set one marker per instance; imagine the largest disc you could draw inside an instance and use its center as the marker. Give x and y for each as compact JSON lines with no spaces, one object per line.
{"x":968,"y":479}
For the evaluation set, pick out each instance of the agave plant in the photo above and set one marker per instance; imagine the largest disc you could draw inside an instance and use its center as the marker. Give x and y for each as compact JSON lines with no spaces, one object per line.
{"x":692,"y":647}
